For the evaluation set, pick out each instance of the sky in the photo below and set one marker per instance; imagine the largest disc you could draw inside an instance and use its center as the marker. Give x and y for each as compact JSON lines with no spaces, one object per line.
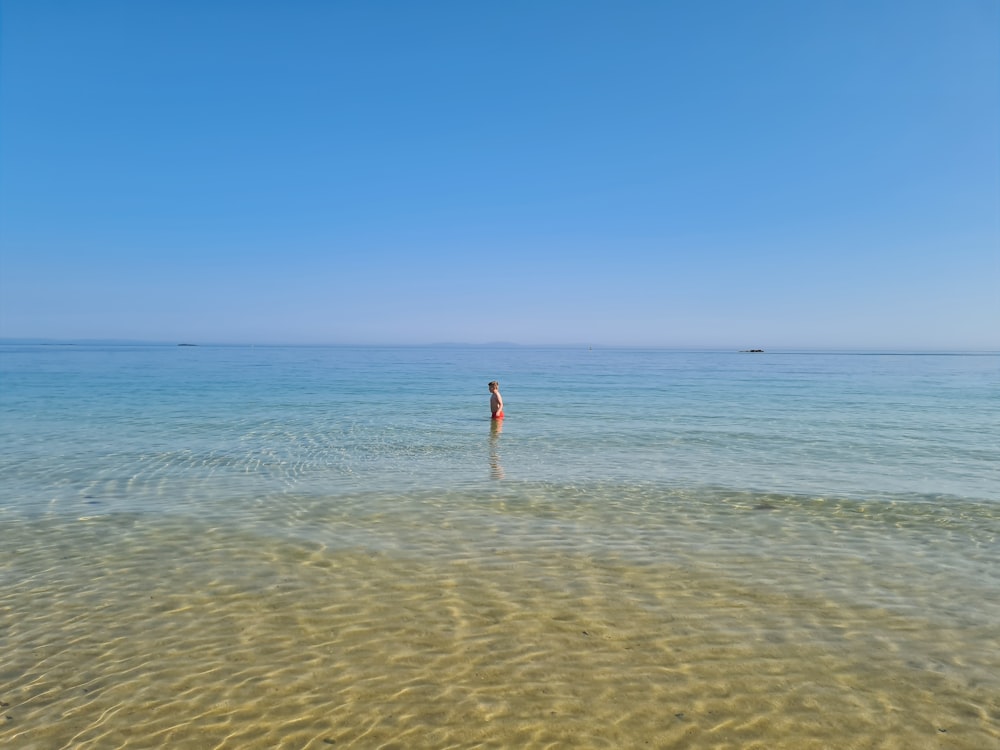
{"x":686,"y":173}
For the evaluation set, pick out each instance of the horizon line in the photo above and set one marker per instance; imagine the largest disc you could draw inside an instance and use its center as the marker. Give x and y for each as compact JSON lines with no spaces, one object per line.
{"x":867,"y":349}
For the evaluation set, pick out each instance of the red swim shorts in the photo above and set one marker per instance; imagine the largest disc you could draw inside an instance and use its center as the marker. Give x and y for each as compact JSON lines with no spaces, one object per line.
{"x":498,"y":415}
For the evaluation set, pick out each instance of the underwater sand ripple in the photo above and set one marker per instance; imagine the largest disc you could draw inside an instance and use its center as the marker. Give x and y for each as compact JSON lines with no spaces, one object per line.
{"x":127,"y":632}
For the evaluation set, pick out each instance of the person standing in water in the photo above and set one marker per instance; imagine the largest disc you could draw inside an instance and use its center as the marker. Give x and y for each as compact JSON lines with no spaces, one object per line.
{"x":496,"y":400}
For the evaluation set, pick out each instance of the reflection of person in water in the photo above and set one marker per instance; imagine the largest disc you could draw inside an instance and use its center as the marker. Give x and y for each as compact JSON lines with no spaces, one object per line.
{"x":496,"y":400}
{"x":496,"y":470}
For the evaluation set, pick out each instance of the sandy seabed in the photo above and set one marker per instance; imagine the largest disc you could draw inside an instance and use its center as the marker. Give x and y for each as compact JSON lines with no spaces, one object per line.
{"x":148,"y":633}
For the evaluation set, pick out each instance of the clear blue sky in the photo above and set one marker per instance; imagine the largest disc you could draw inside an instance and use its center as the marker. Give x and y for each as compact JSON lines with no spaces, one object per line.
{"x":717,"y":173}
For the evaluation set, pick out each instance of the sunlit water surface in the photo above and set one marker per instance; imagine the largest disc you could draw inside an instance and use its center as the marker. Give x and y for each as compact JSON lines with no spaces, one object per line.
{"x":211,"y":547}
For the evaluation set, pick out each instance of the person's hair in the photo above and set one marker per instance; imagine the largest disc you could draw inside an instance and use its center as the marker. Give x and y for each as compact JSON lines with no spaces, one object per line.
{"x":494,"y":384}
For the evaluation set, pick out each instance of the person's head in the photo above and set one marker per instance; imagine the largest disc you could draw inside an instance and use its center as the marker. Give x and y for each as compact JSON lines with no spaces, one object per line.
{"x":494,"y":385}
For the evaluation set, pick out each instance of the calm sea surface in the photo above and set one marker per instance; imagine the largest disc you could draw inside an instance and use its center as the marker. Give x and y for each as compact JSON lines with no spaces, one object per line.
{"x":208,"y":547}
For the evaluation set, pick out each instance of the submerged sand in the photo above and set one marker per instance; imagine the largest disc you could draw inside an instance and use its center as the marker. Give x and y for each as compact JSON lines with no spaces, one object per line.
{"x":156,"y":632}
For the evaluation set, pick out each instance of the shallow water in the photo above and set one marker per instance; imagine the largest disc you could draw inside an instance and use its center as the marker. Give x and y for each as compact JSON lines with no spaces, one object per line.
{"x":306,"y":548}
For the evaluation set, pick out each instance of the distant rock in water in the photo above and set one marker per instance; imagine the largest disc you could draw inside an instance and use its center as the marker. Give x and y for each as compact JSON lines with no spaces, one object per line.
{"x":752,"y":351}
{"x":187,"y":345}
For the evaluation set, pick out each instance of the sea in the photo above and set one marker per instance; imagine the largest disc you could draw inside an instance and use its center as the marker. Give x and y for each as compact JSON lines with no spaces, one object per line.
{"x":314,"y":547}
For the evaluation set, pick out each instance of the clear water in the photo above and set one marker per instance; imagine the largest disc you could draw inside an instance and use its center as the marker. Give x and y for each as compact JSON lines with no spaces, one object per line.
{"x":308,"y":547}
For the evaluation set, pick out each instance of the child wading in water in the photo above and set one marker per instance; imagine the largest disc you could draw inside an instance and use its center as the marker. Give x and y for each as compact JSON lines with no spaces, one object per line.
{"x":496,"y":400}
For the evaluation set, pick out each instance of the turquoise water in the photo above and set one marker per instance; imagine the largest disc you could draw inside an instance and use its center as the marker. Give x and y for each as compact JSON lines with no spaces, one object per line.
{"x":850,"y":502}
{"x":139,"y":427}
